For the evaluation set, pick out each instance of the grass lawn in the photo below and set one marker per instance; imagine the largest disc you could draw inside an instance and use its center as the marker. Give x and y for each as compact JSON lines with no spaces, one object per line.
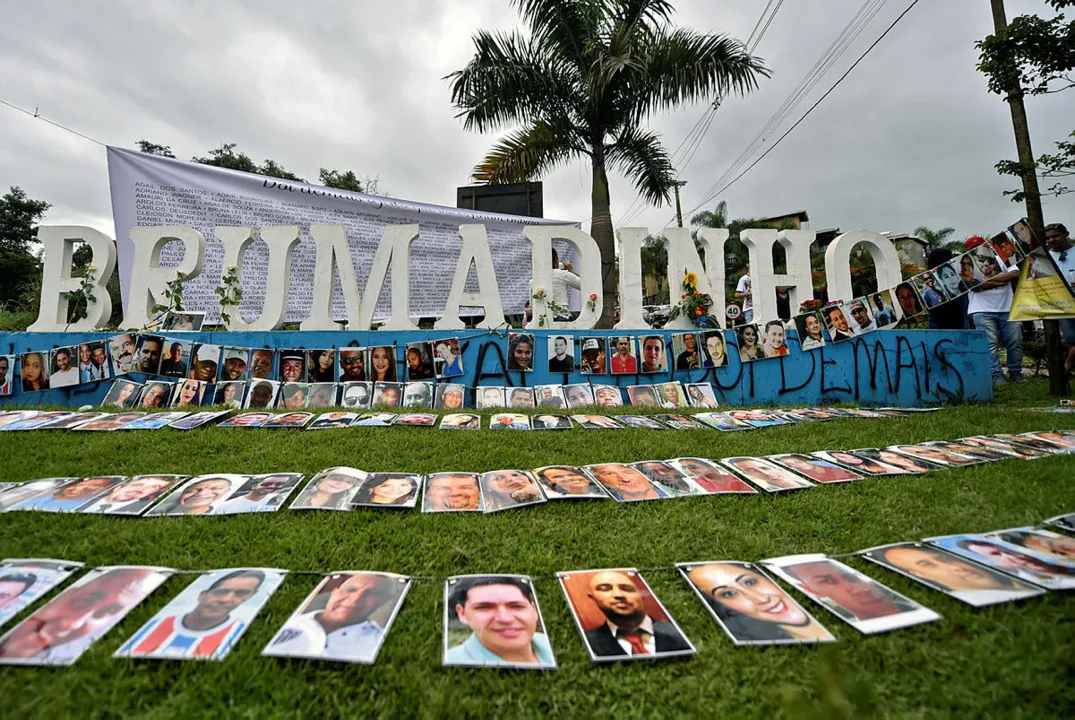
{"x":1007,"y":660}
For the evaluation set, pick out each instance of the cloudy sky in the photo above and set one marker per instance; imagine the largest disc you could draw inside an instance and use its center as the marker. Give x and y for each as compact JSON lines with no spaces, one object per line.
{"x":910,"y":138}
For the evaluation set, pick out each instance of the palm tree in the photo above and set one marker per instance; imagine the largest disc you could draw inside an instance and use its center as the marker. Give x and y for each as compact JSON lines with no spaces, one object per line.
{"x":581,"y":83}
{"x":933,"y":238}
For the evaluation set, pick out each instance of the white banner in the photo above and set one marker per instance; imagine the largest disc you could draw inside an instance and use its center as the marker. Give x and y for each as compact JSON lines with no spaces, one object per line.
{"x":149,"y":190}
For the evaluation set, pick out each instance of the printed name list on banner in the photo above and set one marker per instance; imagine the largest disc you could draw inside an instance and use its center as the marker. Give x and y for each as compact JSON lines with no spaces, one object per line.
{"x":149,"y":190}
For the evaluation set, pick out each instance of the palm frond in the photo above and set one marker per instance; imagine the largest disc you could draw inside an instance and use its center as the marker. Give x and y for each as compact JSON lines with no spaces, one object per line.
{"x":641,"y":157}
{"x":523,"y":155}
{"x":563,"y":25}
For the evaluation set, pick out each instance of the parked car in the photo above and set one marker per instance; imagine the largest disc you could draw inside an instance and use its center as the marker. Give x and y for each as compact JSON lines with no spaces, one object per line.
{"x":660,"y":316}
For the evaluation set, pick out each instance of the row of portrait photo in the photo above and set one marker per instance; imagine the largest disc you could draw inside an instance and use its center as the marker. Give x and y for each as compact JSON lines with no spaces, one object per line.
{"x":347,"y":488}
{"x":496,"y":620}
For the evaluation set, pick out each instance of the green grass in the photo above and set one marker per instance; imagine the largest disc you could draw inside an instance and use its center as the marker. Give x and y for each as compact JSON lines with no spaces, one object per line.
{"x":1008,"y":660}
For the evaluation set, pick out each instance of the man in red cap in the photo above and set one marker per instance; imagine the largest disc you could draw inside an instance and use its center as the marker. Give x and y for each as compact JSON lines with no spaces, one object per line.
{"x":988,"y":307}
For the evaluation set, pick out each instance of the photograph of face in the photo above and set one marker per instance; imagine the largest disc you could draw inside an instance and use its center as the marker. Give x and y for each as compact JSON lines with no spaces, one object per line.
{"x":23,"y":581}
{"x":970,"y":275}
{"x":13,"y":497}
{"x":883,"y":306}
{"x":506,"y":489}
{"x":757,"y":418}
{"x":1064,"y":441}
{"x":878,"y":464}
{"x":968,"y":450}
{"x":7,"y":374}
{"x":236,"y":362}
{"x":60,"y":631}
{"x":594,"y":355}
{"x":549,"y":396}
{"x":701,"y":395}
{"x":418,"y":394}
{"x":1005,"y":448}
{"x":261,"y":364}
{"x":722,"y":421}
{"x":356,"y":394}
{"x":398,"y":490}
{"x":714,"y":349}
{"x":187,"y":393}
{"x":620,"y":618}
{"x":292,"y":366}
{"x":1008,"y":559}
{"x":930,"y":289}
{"x":176,"y":356}
{"x":654,"y":358}
{"x":489,"y":397}
{"x":687,"y":351}
{"x":818,"y":470}
{"x":494,"y":621}
{"x":156,"y":394}
{"x":231,"y":394}
{"x":452,"y":492}
{"x":668,"y":478}
{"x":861,"y":602}
{"x":113,"y":421}
{"x":154,"y":421}
{"x":197,"y":419}
{"x":460,"y":421}
{"x":198,"y":496}
{"x":861,"y":465}
{"x":838,"y":322}
{"x":766,"y":475}
{"x":250,"y":419}
{"x":643,"y":396}
{"x":509,"y":421}
{"x":624,"y":483}
{"x":331,"y":489}
{"x":352,"y":364}
{"x":448,"y":358}
{"x":1006,"y":248}
{"x":121,"y":350}
{"x":321,"y":395}
{"x":293,"y":396}
{"x":596,"y":422}
{"x":908,"y":299}
{"x":387,"y":394}
{"x":520,"y":397}
{"x":1035,"y":541}
{"x":205,"y":363}
{"x":71,"y":420}
{"x":607,"y":396}
{"x":962,"y":579}
{"x":750,"y":606}
{"x":861,"y":316}
{"x":32,"y":422}
{"x":133,"y":495}
{"x":72,"y":495}
{"x":321,"y":366}
{"x":749,"y":338}
{"x":123,"y":393}
{"x":624,"y":359}
{"x":579,"y":395}
{"x":374,"y":420}
{"x":415,"y":419}
{"x":551,"y":422}
{"x":344,"y":619}
{"x":183,"y":321}
{"x":63,"y":367}
{"x":450,"y":396}
{"x":520,"y":352}
{"x":148,"y":354}
{"x":419,"y":358}
{"x":561,"y":354}
{"x":671,"y":395}
{"x":34,"y":371}
{"x":206,"y":619}
{"x":711,"y":478}
{"x":774,"y":339}
{"x":937,"y":456}
{"x":641,"y":421}
{"x":333,"y":420}
{"x":680,"y":422}
{"x":566,"y":482}
{"x":289,"y":420}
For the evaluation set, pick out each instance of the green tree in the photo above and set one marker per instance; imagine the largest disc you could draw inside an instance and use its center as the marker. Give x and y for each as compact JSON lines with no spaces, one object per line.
{"x":934,"y":238}
{"x":340,"y":180}
{"x":582,"y":83}
{"x":155,"y":149}
{"x":19,"y":266}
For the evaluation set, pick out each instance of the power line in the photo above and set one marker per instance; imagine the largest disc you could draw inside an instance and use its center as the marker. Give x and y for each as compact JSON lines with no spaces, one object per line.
{"x":38,"y":116}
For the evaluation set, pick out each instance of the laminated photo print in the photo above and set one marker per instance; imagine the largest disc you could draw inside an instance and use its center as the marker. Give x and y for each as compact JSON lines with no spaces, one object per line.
{"x":549,"y":396}
{"x":452,"y":492}
{"x":389,"y":490}
{"x":72,"y":495}
{"x":594,"y":350}
{"x":293,"y":396}
{"x":261,"y":394}
{"x":701,"y":395}
{"x":156,"y":394}
{"x":93,"y":364}
{"x":687,"y":351}
{"x":561,"y":354}
{"x":261,"y":365}
{"x":838,"y":322}
{"x":579,"y":395}
{"x":722,"y":421}
{"x":416,"y":419}
{"x":344,"y":619}
{"x":34,"y":371}
{"x":1063,"y":441}
{"x":930,"y":289}
{"x":418,"y":394}
{"x":450,"y":396}
{"x":714,"y":349}
{"x":184,"y":321}
{"x":597,"y":422}
{"x":567,"y":482}
{"x":861,"y":317}
{"x":133,"y":496}
{"x":1030,"y":441}
{"x":1008,"y":249}
{"x":937,"y":456}
{"x":624,"y":483}
{"x":509,"y":421}
{"x":33,"y":422}
{"x":198,"y":419}
{"x":966,"y":581}
{"x":489,"y":397}
{"x":520,"y":397}
{"x":624,"y":356}
{"x":374,"y":420}
{"x":321,"y":366}
{"x":419,"y":358}
{"x":1003,"y":447}
{"x":205,"y":362}
{"x":966,"y":266}
{"x":387,"y":394}
{"x":22,"y":582}
{"x":885,"y":309}
{"x":248,"y":420}
{"x":809,"y":328}
{"x":292,"y":366}
{"x":774,"y":339}
{"x":1064,"y":522}
{"x":1044,"y":544}
{"x":981,"y":453}
{"x":231,"y":394}
{"x":642,"y":421}
{"x":148,"y":354}
{"x":206,"y":619}
{"x":331,"y":489}
{"x":643,"y":396}
{"x":520,"y":352}
{"x":352,"y":365}
{"x":121,"y":353}
{"x":7,"y":375}
{"x":607,"y":396}
{"x":670,"y":395}
{"x":1008,"y":559}
{"x":13,"y":497}
{"x":748,"y":342}
{"x":949,"y":279}
{"x":112,"y":421}
{"x":749,"y":605}
{"x":680,"y":422}
{"x":333,"y":420}
{"x":668,"y":478}
{"x":15,"y":416}
{"x":261,"y":493}
{"x":356,"y":395}
{"x":620,"y":618}
{"x":289,"y":420}
{"x":60,"y":631}
{"x":766,"y":475}
{"x":494,"y":621}
{"x":201,"y":495}
{"x":710,"y":477}
{"x":507,"y":489}
{"x":891,"y":463}
{"x":188,"y":392}
{"x":461,"y":421}
{"x":448,"y":358}
{"x":321,"y":395}
{"x":71,"y":421}
{"x":860,"y":465}
{"x":154,"y":421}
{"x":1024,"y":237}
{"x":551,"y":422}
{"x":861,"y":602}
{"x":757,"y":418}
{"x":175,"y":360}
{"x":816,"y":469}
{"x":654,"y":355}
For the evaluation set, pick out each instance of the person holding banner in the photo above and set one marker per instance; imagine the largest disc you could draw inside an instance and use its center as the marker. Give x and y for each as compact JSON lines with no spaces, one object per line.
{"x":988,"y":308}
{"x":1063,"y":253}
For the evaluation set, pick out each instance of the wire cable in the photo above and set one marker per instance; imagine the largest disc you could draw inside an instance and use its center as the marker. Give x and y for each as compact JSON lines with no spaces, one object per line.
{"x":38,"y":116}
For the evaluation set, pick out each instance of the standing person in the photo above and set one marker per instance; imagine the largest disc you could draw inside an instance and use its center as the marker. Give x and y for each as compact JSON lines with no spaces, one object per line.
{"x":950,"y":315}
{"x":988,"y":308}
{"x":563,"y":277}
{"x":744,"y":291}
{"x":1063,"y":252}
{"x":783,"y":303}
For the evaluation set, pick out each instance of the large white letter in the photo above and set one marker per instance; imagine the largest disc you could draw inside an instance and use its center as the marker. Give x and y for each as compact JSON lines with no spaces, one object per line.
{"x":148,"y":278}
{"x":630,"y":288}
{"x":541,"y":238}
{"x":763,"y":277}
{"x":682,"y":259}
{"x":333,"y":252}
{"x":281,"y":241}
{"x":886,"y":262}
{"x":475,"y":250}
{"x":59,"y":244}
{"x":395,"y":247}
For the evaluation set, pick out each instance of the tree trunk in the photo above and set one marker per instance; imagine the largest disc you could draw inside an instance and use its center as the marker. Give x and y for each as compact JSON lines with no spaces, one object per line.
{"x":601,"y":230}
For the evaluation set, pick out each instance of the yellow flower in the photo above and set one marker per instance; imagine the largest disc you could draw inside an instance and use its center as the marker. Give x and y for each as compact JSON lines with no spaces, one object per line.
{"x":690,"y":279}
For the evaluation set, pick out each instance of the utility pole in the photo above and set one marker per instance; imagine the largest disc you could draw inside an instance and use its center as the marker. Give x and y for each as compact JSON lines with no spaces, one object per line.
{"x":679,"y":210}
{"x":1058,"y":384}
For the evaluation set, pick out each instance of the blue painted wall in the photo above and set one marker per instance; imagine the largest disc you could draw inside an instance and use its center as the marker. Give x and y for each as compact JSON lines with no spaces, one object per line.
{"x":887,"y":367}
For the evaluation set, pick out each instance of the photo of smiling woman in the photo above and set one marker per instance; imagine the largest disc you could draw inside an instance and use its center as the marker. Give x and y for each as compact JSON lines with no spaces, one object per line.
{"x":749,"y":349}
{"x":751,"y":607}
{"x":389,"y":490}
{"x":34,"y":372}
{"x":330,"y":489}
{"x":383,"y":364}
